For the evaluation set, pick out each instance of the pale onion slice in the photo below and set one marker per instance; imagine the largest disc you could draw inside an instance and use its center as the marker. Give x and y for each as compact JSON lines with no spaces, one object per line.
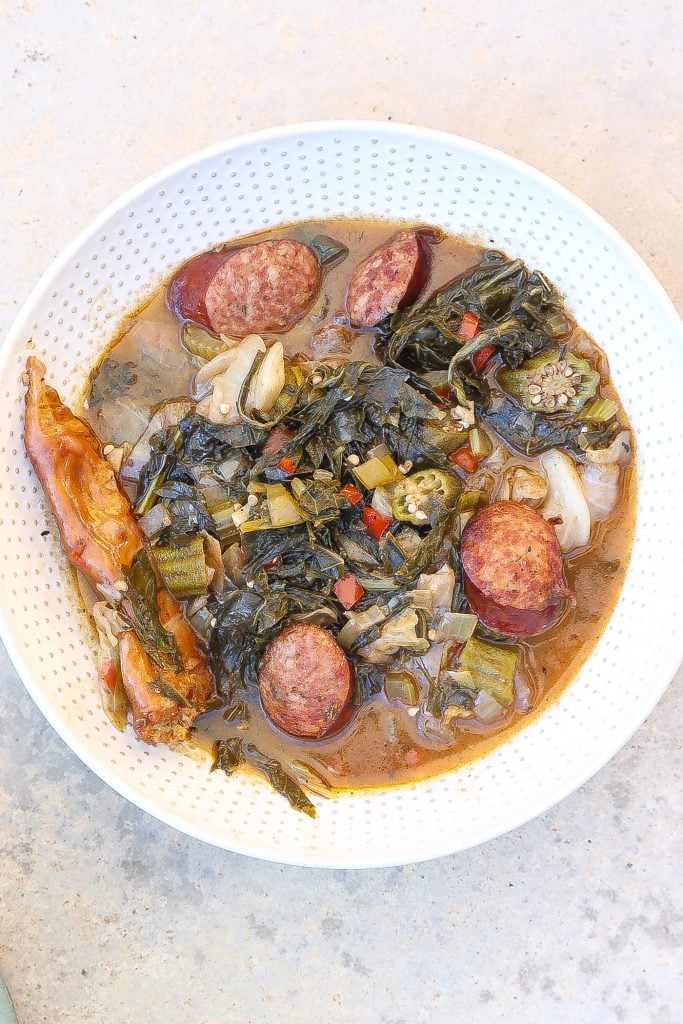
{"x":268,"y":381}
{"x":566,"y":500}
{"x":220,"y":406}
{"x":601,"y":487}
{"x":619,"y":451}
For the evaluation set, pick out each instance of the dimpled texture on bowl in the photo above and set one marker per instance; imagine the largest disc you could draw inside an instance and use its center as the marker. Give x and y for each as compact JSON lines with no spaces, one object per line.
{"x":316,"y":171}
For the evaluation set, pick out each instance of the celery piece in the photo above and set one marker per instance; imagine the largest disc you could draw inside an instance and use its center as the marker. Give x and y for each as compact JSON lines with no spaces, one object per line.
{"x":492,"y":668}
{"x":282,"y":508}
{"x":480,"y":443}
{"x":601,"y":410}
{"x":376,"y":472}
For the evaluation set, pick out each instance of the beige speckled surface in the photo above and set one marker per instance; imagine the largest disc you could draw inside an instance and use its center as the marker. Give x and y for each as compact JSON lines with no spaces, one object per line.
{"x":106,"y":915}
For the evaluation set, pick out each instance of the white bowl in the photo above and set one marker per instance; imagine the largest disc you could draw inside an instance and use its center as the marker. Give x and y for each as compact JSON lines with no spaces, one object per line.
{"x":313,"y":171}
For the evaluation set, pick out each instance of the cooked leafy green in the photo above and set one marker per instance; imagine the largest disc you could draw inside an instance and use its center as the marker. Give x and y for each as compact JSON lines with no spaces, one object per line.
{"x":532,"y":433}
{"x":328,"y":250}
{"x":229,"y":755}
{"x":113,"y":379}
{"x":356,"y":474}
{"x":520,"y":313}
{"x":142,"y":610}
{"x":447,"y":694}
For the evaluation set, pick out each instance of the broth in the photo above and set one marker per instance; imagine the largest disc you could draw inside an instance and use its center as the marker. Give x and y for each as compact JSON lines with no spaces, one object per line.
{"x":382,"y":743}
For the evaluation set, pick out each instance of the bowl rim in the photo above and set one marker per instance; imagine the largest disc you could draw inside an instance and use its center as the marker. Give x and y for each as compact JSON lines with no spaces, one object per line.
{"x":13,"y":339}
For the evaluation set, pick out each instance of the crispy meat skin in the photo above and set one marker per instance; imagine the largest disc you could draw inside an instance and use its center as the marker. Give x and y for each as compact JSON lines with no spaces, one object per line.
{"x":101,"y":537}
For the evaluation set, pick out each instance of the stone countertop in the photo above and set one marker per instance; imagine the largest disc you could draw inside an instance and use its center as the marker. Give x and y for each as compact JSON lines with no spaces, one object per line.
{"x":106,"y":915}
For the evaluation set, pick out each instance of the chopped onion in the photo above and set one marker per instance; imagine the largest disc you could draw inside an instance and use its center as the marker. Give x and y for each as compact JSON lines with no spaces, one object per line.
{"x":169,"y":414}
{"x":455,"y":626}
{"x":441,"y":584}
{"x":523,"y":485}
{"x":619,"y":451}
{"x":267,"y":382}
{"x":319,"y":617}
{"x":358,"y":623}
{"x":496,"y":460}
{"x":154,"y":521}
{"x":116,"y":454}
{"x":566,"y":500}
{"x":220,"y":381}
{"x":381,"y":500}
{"x":486,"y":708}
{"x":601,"y":487}
{"x":232,"y":560}
{"x":201,"y":385}
{"x":352,"y":550}
{"x":523,"y":696}
{"x":423,"y":599}
{"x":214,"y":560}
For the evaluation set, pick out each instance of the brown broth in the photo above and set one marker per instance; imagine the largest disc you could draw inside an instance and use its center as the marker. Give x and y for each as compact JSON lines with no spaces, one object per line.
{"x":382,"y":744}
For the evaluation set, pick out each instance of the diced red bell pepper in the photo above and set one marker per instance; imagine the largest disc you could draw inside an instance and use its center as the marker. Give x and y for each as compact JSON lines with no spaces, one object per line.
{"x":352,"y":494}
{"x":348,"y":590}
{"x":287,"y":465}
{"x":375,"y":522}
{"x":481,"y":358}
{"x":469,"y":325}
{"x":465,"y":459}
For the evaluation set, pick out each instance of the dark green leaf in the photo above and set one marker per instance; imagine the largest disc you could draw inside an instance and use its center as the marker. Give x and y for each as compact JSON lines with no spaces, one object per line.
{"x":449,"y":694}
{"x":142,"y":609}
{"x":328,"y":251}
{"x":228,"y":755}
{"x":165,"y":689}
{"x":531,"y":433}
{"x":113,"y":379}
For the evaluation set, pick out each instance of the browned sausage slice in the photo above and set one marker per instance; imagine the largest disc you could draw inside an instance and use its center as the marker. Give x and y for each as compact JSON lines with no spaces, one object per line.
{"x":391,"y":277}
{"x":263,"y":287}
{"x":513,"y":569}
{"x":305,"y":680}
{"x":187,"y":290}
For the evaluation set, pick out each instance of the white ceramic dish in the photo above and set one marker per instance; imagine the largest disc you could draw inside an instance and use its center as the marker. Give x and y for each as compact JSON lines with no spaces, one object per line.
{"x":316,"y":170}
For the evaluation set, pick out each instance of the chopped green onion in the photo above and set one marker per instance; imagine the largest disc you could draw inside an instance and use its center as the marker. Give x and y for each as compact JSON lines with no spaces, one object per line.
{"x":253,"y":525}
{"x":199,"y":342}
{"x":376,"y":472}
{"x":282,"y":508}
{"x":469,"y":501}
{"x":222,"y":516}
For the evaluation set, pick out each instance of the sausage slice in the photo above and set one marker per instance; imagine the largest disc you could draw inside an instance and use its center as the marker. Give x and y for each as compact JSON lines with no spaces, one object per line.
{"x":305,"y":681}
{"x":513,"y":569}
{"x":259,"y":288}
{"x":187,"y":290}
{"x":391,"y":277}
